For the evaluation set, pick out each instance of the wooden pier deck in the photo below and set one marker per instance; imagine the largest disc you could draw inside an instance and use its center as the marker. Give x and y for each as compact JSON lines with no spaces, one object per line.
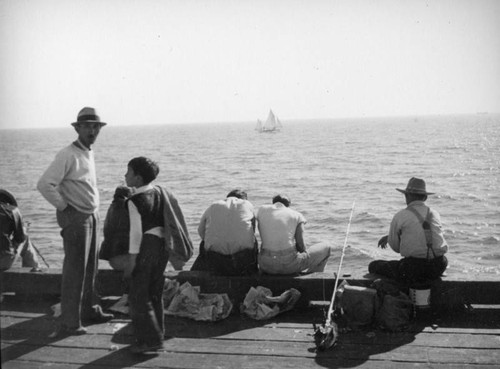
{"x":466,"y":340}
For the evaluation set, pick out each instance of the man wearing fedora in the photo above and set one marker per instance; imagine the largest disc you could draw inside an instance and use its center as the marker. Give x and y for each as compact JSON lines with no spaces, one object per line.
{"x":415,"y":233}
{"x":70,"y":185}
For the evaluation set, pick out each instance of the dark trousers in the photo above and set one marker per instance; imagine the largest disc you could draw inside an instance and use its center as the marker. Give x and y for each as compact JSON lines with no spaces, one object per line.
{"x":410,"y":270}
{"x":243,"y":262}
{"x":78,"y":296}
{"x":146,"y":291}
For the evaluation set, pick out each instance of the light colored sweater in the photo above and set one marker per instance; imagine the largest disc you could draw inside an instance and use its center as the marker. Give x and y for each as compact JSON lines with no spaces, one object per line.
{"x":71,"y":179}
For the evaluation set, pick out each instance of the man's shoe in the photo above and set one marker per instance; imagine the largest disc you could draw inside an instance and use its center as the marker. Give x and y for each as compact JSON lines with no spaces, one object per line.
{"x":144,"y":347}
{"x":63,"y":331}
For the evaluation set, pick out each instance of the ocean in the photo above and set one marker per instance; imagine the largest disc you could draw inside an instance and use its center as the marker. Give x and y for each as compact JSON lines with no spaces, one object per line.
{"x":324,"y":166}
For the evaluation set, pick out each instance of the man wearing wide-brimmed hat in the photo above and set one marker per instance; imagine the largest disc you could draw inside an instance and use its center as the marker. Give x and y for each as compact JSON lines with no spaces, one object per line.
{"x":416,"y":233}
{"x":70,"y":185}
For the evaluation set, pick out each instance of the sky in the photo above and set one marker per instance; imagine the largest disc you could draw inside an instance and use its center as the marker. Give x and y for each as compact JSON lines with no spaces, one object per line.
{"x":161,"y":61}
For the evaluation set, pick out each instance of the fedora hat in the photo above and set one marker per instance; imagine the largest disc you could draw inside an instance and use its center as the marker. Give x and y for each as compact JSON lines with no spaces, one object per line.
{"x":415,"y":186}
{"x":7,"y":197}
{"x":88,"y":115}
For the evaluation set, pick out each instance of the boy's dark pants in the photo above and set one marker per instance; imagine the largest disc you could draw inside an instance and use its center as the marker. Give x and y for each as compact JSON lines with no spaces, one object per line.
{"x":146,"y":290}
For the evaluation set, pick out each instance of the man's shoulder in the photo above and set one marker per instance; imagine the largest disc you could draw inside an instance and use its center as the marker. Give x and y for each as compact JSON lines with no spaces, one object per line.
{"x":216,"y":205}
{"x":402,"y":214}
{"x":265,"y":208}
{"x":299,"y":216}
{"x":149,"y":192}
{"x":230,"y":204}
{"x":67,"y":151}
{"x":218,"y":202}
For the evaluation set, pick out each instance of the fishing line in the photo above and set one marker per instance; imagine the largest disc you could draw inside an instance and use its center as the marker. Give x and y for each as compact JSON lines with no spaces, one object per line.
{"x":36,"y":249}
{"x":330,"y":310}
{"x":39,"y":254}
{"x":326,"y":335}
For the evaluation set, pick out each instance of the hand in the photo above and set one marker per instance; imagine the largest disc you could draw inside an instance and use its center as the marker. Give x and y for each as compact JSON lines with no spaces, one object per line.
{"x":382,"y":243}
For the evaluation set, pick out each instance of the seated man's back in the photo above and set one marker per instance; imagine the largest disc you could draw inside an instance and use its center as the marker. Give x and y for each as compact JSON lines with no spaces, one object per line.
{"x":227,"y":230}
{"x":227,"y":226}
{"x":283,"y":249}
{"x":277,"y":226}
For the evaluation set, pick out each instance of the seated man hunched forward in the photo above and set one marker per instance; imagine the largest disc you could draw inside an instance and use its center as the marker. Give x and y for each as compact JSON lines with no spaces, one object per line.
{"x":283,"y":249}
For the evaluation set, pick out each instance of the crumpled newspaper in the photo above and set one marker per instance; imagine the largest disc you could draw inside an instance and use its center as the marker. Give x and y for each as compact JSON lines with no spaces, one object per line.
{"x":121,"y":306}
{"x":187,"y":301}
{"x":260,"y":304}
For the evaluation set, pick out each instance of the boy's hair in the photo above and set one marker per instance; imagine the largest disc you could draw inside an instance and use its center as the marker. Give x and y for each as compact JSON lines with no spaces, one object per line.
{"x":238,"y":194}
{"x":284,"y":199}
{"x":144,"y":167}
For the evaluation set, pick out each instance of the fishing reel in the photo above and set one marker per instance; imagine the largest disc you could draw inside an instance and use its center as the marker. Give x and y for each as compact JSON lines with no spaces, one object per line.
{"x":326,"y":336}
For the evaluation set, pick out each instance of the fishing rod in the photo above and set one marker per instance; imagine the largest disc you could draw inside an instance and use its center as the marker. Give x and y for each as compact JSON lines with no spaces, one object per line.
{"x":36,"y":249}
{"x":326,"y":335}
{"x":41,"y":256}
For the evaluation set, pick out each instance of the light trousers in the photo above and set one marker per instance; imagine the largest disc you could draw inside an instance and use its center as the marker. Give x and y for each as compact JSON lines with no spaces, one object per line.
{"x":78,"y":296}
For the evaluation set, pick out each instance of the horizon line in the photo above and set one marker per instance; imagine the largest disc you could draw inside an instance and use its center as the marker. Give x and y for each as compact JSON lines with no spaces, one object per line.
{"x":415,"y":116}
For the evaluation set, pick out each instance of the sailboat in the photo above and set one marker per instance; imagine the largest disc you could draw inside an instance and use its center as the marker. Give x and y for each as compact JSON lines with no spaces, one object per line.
{"x":272,"y":124}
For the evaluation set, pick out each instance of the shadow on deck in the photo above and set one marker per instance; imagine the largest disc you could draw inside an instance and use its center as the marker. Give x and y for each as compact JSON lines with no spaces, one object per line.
{"x":468,"y":340}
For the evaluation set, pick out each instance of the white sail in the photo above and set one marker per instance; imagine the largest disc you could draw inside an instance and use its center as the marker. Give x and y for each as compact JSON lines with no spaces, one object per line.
{"x":272,"y":124}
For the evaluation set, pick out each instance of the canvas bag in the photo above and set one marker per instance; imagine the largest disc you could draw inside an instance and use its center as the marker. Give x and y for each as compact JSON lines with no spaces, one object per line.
{"x":359,"y":305}
{"x":395,"y":307}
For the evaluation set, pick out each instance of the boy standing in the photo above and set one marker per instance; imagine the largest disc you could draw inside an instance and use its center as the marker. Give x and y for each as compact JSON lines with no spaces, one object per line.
{"x":149,"y":211}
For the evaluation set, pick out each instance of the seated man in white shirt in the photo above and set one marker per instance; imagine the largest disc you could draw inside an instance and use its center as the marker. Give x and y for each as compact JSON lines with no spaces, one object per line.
{"x":283,"y":249}
{"x":227,"y":230}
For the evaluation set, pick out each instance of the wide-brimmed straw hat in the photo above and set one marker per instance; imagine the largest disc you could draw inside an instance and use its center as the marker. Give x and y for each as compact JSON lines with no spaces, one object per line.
{"x":6,"y":196}
{"x":88,"y":115}
{"x":415,"y":186}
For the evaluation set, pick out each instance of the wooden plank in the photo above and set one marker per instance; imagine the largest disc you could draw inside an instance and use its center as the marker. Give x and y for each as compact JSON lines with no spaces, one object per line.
{"x":246,"y":343}
{"x":37,"y":331}
{"x":184,"y":326}
{"x":221,"y":363}
{"x":103,"y":338}
{"x":120,"y":359}
{"x":238,"y":341}
{"x":315,"y":286}
{"x":271,"y":350}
